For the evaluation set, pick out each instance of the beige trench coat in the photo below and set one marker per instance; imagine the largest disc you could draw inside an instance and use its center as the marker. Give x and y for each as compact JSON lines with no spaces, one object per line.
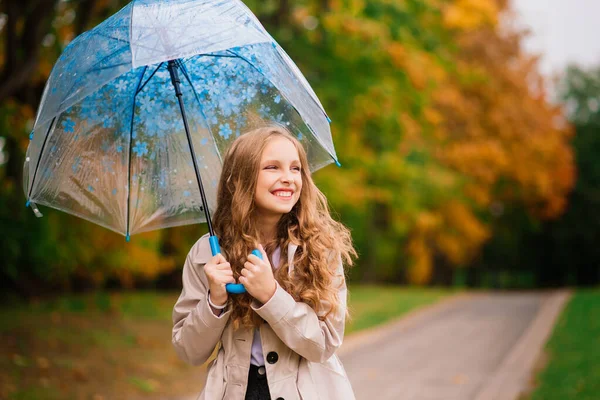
{"x":302,"y":347}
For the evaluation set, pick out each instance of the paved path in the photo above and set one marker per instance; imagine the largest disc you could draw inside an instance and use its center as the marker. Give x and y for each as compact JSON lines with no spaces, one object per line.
{"x":478,"y":347}
{"x":470,"y":347}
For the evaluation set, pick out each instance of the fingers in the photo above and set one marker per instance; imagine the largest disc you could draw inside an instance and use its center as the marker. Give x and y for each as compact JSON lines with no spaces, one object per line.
{"x":263,"y":252}
{"x":224,"y":266}
{"x":255,"y":260}
{"x":218,"y":259}
{"x":249,"y":269}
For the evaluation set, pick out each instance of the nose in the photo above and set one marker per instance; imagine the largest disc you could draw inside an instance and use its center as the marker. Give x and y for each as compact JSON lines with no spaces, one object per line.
{"x":287,"y":177}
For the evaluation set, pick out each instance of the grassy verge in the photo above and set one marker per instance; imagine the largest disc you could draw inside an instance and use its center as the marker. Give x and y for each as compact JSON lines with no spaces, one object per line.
{"x":117,"y":346}
{"x":573,"y":352}
{"x":371,"y":305}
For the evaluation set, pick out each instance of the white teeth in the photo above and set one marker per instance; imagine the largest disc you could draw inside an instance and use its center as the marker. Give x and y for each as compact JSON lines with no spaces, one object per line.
{"x":283,"y":194}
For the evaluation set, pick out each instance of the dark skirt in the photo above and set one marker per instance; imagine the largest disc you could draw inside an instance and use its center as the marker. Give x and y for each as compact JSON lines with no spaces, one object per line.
{"x":258,"y":388}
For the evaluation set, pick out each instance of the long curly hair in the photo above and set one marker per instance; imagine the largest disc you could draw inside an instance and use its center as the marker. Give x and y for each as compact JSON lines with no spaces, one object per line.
{"x":321,"y":240}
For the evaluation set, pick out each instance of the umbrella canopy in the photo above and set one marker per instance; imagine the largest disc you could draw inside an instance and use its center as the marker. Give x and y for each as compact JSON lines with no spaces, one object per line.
{"x":109,"y":143}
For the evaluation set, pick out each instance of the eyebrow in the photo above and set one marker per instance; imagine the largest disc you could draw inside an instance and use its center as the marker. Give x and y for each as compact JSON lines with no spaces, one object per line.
{"x":279,"y":161}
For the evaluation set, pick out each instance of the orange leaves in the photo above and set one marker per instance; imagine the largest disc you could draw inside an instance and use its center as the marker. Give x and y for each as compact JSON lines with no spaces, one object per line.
{"x":471,"y":14}
{"x":452,"y":231}
{"x":421,"y":267}
{"x":484,"y":159}
{"x":499,"y":126}
{"x":397,"y":53}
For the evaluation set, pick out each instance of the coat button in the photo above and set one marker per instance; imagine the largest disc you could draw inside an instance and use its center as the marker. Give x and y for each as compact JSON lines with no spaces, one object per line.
{"x":272,"y":357}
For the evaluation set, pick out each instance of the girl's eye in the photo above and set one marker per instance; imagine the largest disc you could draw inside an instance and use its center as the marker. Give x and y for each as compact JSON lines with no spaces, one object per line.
{"x":296,"y":169}
{"x":271,"y":167}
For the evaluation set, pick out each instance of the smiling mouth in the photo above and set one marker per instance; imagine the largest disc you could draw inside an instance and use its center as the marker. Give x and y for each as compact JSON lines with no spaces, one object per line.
{"x":282,"y":194}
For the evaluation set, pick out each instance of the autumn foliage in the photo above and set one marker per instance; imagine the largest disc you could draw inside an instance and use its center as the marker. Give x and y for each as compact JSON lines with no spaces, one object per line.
{"x":439,"y":118}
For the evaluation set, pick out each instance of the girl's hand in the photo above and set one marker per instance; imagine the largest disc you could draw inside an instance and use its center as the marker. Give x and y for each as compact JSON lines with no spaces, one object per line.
{"x":218,"y":271}
{"x":257,"y":277}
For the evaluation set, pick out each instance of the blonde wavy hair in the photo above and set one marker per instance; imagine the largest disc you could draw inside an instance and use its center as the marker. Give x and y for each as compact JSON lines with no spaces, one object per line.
{"x":321,"y":240}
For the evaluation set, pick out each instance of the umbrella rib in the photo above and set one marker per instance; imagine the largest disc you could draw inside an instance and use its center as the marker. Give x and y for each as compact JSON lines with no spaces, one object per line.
{"x":102,"y":68}
{"x":40,"y":158}
{"x":112,"y":37}
{"x":131,"y":150}
{"x":107,"y":67}
{"x":65,"y":100}
{"x":185,"y":73}
{"x":289,"y":102}
{"x":140,"y":88}
{"x":113,"y":54}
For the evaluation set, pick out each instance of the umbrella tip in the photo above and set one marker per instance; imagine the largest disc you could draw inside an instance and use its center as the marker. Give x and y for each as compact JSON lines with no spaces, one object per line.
{"x":328,"y":119}
{"x":127,"y":238}
{"x":31,"y":136}
{"x":27,"y":203}
{"x":337,"y":163}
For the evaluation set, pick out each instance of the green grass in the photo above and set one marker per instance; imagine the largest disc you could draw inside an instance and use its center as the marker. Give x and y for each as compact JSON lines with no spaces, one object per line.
{"x":373,"y":305}
{"x":118,"y":345}
{"x":573,"y":369}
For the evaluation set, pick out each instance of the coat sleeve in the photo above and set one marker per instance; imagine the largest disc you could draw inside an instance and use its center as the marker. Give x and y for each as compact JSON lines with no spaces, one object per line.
{"x":299,"y":326}
{"x":196,"y":329}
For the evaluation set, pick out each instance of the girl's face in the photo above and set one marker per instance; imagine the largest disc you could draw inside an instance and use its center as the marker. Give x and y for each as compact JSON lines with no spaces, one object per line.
{"x":279,"y":178}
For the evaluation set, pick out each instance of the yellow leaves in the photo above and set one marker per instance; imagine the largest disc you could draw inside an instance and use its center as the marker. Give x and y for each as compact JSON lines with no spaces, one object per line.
{"x":462,"y":221}
{"x":421,"y":268}
{"x":397,"y":53}
{"x":419,"y":65}
{"x":452,"y":231}
{"x":427,"y":222}
{"x":411,"y":131}
{"x":364,"y":31}
{"x":433,"y":117}
{"x":483,"y":159}
{"x":480,"y":194}
{"x":470,"y":15}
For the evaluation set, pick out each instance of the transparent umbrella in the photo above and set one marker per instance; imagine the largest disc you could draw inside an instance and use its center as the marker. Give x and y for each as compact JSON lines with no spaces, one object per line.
{"x":138,"y":112}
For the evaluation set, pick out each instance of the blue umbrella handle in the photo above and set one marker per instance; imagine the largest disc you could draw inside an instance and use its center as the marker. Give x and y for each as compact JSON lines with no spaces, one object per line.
{"x":235,"y":288}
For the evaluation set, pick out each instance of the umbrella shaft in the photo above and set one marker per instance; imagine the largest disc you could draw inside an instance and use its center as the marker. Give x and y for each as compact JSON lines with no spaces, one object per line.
{"x":172,"y":67}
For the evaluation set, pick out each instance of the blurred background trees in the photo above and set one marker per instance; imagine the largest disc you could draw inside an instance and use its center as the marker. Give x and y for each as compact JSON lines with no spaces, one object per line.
{"x":457,"y":167}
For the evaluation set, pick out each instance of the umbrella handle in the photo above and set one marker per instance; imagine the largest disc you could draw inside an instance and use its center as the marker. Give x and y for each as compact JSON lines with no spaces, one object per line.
{"x":235,"y":288}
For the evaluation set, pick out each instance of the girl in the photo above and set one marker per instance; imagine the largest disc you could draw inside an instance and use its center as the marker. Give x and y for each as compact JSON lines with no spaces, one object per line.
{"x":278,"y":340}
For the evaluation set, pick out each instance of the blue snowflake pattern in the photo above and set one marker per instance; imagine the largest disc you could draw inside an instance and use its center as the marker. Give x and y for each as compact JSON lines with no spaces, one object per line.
{"x":68,"y":125}
{"x":147,"y":105}
{"x":140,"y":149}
{"x":277,"y":99}
{"x":249,"y":93}
{"x":121,"y":85}
{"x":225,"y":131}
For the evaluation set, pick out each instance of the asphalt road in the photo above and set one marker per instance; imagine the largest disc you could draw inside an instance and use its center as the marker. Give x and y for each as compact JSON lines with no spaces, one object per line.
{"x":450,"y":354}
